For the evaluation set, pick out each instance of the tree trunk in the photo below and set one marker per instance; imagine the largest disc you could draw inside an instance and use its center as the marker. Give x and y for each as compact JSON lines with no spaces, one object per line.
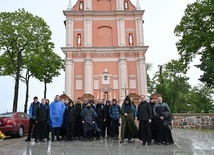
{"x":45,"y":89}
{"x":16,"y":88}
{"x":16,"y":92}
{"x":27,"y":91}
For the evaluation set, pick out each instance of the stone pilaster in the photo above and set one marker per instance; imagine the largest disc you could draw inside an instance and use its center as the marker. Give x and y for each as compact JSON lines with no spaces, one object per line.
{"x":69,"y":78}
{"x":88,"y":32}
{"x":88,"y":76}
{"x":87,"y":4}
{"x":121,"y":31}
{"x":123,"y":77}
{"x":120,"y":4}
{"x":139,"y":30}
{"x":142,"y":76}
{"x":69,"y":32}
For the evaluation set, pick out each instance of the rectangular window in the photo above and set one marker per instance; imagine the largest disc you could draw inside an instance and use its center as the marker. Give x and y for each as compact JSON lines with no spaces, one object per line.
{"x":96,"y":84}
{"x":115,"y":84}
{"x":78,"y":84}
{"x":132,"y":84}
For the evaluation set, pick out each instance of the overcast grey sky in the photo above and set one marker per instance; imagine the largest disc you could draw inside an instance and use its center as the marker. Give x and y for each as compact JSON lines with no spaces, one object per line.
{"x":161,"y":17}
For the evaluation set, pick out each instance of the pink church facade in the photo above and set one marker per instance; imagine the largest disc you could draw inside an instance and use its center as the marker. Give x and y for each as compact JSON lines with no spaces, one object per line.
{"x":104,"y":49}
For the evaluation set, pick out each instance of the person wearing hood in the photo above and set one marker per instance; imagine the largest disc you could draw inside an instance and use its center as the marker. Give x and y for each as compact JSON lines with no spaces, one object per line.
{"x":107,"y":120}
{"x":78,"y":130}
{"x":128,"y":126}
{"x":57,"y":109}
{"x":99,"y":108}
{"x":69,"y":116}
{"x":88,"y":119}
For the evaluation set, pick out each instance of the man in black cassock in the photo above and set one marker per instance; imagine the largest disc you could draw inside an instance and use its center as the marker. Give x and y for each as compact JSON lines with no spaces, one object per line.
{"x":78,"y":129}
{"x":99,"y":108}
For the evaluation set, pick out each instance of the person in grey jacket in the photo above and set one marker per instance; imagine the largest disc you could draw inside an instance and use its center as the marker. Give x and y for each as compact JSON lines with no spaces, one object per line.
{"x":163,"y":116}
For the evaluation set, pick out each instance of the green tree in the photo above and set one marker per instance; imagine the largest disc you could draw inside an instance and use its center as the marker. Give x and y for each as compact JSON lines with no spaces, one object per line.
{"x":21,"y":34}
{"x":172,"y":84}
{"x":196,"y":37}
{"x":50,"y":65}
{"x":150,"y":82}
{"x":201,"y":99}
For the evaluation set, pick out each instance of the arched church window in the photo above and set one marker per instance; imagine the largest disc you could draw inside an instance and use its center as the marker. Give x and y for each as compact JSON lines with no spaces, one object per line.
{"x":79,"y":39}
{"x":130,"y":39}
{"x":126,"y":5}
{"x":81,"y":5}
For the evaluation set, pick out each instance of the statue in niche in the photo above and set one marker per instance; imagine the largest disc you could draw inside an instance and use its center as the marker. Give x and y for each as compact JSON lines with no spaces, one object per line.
{"x":79,"y":39}
{"x":126,"y":5}
{"x":130,"y":39}
{"x":81,"y":6}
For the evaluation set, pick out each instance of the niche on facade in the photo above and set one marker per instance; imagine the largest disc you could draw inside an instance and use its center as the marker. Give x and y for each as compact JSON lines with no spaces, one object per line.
{"x":126,"y":5}
{"x":81,"y":5}
{"x":105,"y":36}
{"x":104,"y":5}
{"x":131,"y":39}
{"x":105,"y":77}
{"x":79,"y":39}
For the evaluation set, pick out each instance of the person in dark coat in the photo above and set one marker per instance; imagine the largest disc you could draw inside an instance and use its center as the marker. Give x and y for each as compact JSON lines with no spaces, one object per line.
{"x":63,"y":127}
{"x":48,"y":125}
{"x":88,"y":119}
{"x":128,"y":127}
{"x":106,"y":121}
{"x":144,"y":116}
{"x":78,"y":129}
{"x":163,"y":115}
{"x":32,"y":113}
{"x":114,"y":113}
{"x":153,"y":123}
{"x":99,"y":108}
{"x":42,"y":120}
{"x":69,"y":116}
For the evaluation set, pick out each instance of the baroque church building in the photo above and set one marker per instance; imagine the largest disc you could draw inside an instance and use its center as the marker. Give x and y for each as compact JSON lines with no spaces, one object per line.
{"x":104,"y":49}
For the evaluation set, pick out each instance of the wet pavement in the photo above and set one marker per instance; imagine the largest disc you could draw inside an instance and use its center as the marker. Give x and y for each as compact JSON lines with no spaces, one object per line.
{"x":186,"y":142}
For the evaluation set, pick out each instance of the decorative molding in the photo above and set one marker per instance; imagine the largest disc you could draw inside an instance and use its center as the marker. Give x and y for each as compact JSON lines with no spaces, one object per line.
{"x":96,"y":76}
{"x":132,"y":76}
{"x":79,"y":77}
{"x":88,"y":61}
{"x":115,"y":76}
{"x":69,"y":61}
{"x":78,"y":30}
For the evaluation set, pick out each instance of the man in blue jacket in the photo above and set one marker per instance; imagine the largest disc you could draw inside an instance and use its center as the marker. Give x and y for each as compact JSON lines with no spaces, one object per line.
{"x":57,"y":109}
{"x":32,"y":113}
{"x":114,"y":112}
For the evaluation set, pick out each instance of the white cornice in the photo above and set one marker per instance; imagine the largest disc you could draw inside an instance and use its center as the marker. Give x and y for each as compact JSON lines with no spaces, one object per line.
{"x":104,"y":49}
{"x":101,"y":13}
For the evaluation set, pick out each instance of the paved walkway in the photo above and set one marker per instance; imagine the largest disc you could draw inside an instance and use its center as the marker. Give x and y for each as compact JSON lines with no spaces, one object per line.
{"x":187,"y":142}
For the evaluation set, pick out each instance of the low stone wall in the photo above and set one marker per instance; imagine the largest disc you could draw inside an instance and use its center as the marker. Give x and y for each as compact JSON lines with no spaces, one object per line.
{"x":193,"y":121}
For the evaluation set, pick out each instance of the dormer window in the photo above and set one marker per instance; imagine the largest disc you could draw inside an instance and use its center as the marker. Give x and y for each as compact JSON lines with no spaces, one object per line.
{"x":130,"y":39}
{"x":126,"y":5}
{"x":79,"y":39}
{"x":81,"y":6}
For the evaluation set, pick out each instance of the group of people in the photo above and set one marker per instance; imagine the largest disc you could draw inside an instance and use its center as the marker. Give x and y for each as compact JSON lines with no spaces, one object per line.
{"x":89,"y":119}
